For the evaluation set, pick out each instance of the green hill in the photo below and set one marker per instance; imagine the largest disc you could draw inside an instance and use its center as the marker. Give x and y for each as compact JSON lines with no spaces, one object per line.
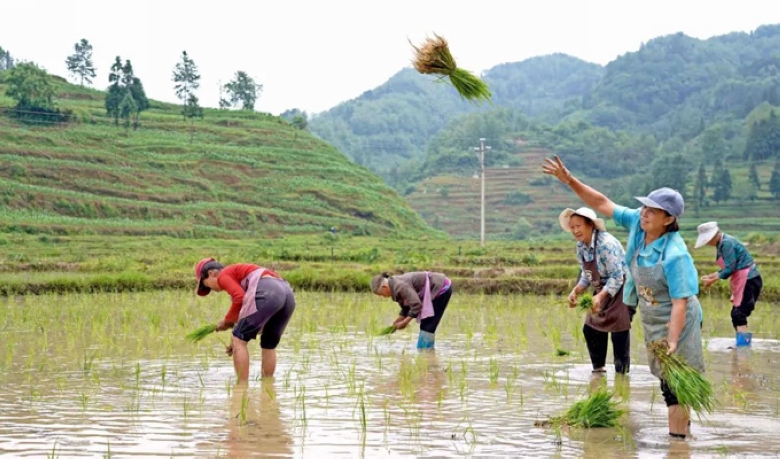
{"x":389,"y":127}
{"x":673,"y":89}
{"x":242,"y":174}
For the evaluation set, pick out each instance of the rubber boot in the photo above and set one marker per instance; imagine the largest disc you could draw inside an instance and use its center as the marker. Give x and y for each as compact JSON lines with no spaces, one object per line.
{"x":426,"y":340}
{"x":744,"y":339}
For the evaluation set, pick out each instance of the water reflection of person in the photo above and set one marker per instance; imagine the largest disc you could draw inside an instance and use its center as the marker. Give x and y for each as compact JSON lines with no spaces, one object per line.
{"x":741,"y":370}
{"x":255,"y":427}
{"x":612,"y":442}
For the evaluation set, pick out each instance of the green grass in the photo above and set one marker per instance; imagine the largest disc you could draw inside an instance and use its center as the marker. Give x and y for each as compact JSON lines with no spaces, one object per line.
{"x":34,"y":264}
{"x":245,"y":174}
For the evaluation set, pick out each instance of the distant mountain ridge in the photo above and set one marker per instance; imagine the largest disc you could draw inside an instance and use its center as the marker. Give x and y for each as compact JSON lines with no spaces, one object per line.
{"x":385,"y":127}
{"x":672,"y":88}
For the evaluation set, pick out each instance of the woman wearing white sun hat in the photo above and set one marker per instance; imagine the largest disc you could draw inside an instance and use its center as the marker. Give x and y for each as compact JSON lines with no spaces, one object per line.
{"x":603,"y":267}
{"x":737,"y":265}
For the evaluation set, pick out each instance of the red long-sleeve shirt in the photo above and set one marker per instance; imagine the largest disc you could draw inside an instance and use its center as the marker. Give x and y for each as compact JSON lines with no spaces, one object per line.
{"x":229,"y":280}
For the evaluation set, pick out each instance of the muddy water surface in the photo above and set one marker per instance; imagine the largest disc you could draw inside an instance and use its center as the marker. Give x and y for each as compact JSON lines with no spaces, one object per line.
{"x":126,"y":384}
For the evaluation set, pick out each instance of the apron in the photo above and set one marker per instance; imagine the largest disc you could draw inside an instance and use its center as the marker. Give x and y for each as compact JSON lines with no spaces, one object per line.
{"x":655,"y":305}
{"x":737,"y":281}
{"x":249,"y":284}
{"x":427,"y":304}
{"x":614,"y":315}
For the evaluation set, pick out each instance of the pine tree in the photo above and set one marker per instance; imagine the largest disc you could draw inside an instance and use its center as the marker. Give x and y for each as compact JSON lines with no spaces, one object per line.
{"x":80,"y":63}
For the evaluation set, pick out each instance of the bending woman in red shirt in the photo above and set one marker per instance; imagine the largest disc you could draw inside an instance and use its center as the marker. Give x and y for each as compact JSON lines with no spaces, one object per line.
{"x":262,"y":302}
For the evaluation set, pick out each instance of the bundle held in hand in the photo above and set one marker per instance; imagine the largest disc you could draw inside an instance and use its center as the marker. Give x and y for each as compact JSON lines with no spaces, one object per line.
{"x":386,"y":331}
{"x":201,"y":333}
{"x":586,"y":303}
{"x":598,"y":410}
{"x":434,"y":57}
{"x":690,"y":387}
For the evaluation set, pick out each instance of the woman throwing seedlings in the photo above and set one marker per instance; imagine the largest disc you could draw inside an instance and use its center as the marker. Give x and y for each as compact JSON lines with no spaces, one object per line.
{"x":602,"y":266}
{"x":421,"y":295}
{"x":735,"y":263}
{"x":663,"y":279}
{"x":262,"y":302}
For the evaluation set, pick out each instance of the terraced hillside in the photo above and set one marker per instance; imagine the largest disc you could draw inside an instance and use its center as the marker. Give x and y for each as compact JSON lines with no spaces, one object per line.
{"x":452,"y":204}
{"x":237,"y":174}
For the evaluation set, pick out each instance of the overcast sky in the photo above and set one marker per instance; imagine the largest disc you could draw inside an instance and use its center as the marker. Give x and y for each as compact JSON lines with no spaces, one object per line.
{"x":313,"y":54}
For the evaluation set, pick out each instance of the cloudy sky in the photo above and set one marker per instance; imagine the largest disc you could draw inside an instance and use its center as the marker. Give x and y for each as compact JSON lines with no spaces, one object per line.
{"x":313,"y":54}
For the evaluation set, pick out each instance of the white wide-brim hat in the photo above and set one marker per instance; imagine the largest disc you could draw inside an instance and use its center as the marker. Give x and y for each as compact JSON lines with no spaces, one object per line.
{"x":563,"y":219}
{"x":707,"y":231}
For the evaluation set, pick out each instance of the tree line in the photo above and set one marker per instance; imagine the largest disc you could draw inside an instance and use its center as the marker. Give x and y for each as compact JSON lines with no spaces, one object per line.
{"x":125,"y":99}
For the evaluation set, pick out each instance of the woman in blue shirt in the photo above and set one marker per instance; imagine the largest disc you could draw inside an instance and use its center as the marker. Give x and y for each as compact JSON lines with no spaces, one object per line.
{"x":602,"y":266}
{"x":664,"y":281}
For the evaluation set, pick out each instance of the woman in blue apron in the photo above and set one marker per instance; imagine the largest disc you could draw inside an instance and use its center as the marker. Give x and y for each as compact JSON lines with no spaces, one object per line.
{"x":602,"y":266}
{"x":663,"y":281}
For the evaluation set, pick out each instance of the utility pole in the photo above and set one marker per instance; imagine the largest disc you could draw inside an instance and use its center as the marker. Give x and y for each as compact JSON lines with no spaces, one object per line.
{"x":481,"y":157}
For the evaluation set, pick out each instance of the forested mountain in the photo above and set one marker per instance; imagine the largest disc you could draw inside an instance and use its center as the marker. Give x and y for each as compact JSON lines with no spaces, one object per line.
{"x":670,"y":97}
{"x":386,"y":127}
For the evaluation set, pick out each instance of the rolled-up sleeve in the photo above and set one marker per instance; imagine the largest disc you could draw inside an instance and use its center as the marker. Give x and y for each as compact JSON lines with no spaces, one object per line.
{"x":612,"y":263}
{"x":625,"y":217}
{"x":681,"y":276}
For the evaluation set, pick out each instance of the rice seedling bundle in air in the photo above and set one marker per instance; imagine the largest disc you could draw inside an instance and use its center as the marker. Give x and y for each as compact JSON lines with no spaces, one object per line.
{"x":386,"y":331}
{"x":434,"y":57}
{"x":598,"y":410}
{"x":687,"y":383}
{"x":201,"y":333}
{"x":586,"y":303}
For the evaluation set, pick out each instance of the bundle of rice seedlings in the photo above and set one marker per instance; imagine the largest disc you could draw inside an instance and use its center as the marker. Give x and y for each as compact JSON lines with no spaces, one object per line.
{"x":598,"y":410}
{"x":201,"y":333}
{"x":688,"y":384}
{"x":434,"y":57}
{"x":586,"y":303}
{"x":386,"y":331}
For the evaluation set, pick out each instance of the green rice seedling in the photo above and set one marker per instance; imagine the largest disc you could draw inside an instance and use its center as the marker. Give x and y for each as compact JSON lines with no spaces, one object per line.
{"x":434,"y":57}
{"x":244,"y":404}
{"x":688,"y":384}
{"x":597,"y":410}
{"x":562,"y":352}
{"x":586,"y":302}
{"x":201,"y":333}
{"x":653,"y":397}
{"x":493,"y":372}
{"x":363,"y":420}
{"x":386,"y":331}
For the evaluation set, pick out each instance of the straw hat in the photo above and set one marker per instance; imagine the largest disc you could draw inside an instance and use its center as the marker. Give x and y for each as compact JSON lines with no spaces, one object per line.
{"x":563,"y":219}
{"x":707,"y":231}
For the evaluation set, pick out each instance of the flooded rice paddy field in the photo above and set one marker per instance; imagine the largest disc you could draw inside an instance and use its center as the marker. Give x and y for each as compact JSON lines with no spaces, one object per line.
{"x":111,"y":375}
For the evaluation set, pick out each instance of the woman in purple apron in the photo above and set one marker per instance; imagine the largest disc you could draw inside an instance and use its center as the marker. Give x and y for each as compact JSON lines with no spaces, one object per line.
{"x":738,"y":266}
{"x":663,"y":281}
{"x":422,"y":295}
{"x":603,"y":267}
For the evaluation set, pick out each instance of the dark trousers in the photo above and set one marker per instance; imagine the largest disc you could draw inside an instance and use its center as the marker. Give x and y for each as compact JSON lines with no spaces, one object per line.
{"x":750,"y":296}
{"x":598,"y":342}
{"x":439,"y":305}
